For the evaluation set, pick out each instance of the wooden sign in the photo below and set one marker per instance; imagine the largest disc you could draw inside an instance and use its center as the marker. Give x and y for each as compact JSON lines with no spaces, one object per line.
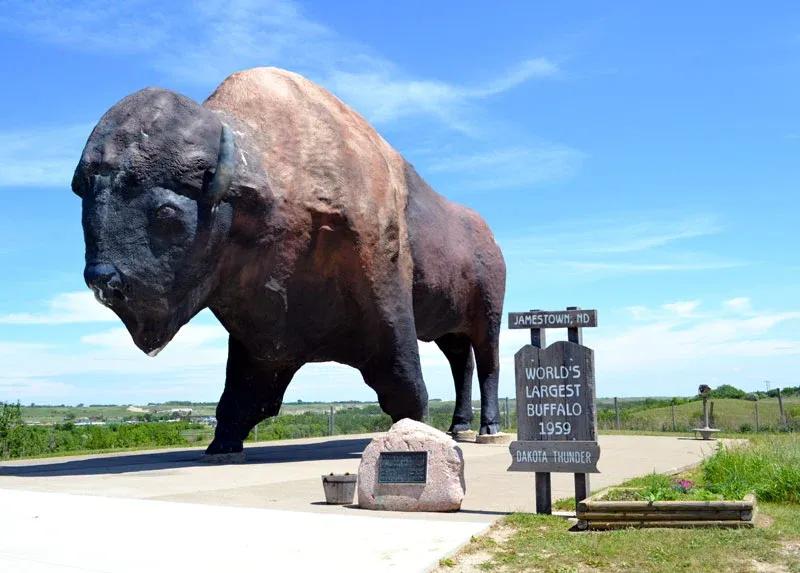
{"x":553,"y":319}
{"x":556,"y":417}
{"x":403,"y":467}
{"x":555,"y":393}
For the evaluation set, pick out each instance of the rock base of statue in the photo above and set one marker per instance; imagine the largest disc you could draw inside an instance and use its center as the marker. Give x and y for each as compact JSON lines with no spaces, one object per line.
{"x":464,"y":435}
{"x":412,"y":467}
{"x":499,"y":438}
{"x":232,"y":458}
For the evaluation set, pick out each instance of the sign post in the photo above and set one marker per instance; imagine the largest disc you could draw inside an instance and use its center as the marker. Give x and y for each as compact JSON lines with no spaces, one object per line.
{"x":556,"y":415}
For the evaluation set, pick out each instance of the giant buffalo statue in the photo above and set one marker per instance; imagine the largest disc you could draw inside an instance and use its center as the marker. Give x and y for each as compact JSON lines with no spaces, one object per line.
{"x":311,"y":239}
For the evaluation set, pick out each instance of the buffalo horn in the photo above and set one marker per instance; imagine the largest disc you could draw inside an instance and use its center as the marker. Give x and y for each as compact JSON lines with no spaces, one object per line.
{"x":226,"y":166}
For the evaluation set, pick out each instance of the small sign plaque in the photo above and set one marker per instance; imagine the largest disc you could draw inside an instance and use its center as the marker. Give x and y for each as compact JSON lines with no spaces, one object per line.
{"x":403,"y":467}
{"x":570,"y":457}
{"x":553,"y":319}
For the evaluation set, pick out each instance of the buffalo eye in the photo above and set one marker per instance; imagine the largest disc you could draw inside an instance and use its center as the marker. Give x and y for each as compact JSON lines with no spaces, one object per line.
{"x":167,"y":219}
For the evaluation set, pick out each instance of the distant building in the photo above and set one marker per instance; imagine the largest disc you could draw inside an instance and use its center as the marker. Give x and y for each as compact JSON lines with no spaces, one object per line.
{"x":180,"y":412}
{"x":88,"y":422}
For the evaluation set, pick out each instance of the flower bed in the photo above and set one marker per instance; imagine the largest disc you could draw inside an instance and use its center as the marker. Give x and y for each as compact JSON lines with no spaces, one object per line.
{"x":598,"y":512}
{"x":662,"y":501}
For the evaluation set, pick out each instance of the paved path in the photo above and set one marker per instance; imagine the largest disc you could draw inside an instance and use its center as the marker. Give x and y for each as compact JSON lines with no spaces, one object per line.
{"x":118,"y":512}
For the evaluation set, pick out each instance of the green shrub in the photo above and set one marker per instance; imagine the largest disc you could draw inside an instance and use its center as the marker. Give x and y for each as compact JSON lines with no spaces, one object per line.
{"x":727,"y":391}
{"x":767,"y":466}
{"x":18,"y":439}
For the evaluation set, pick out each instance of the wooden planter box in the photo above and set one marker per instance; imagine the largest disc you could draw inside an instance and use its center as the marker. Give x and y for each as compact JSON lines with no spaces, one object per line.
{"x":339,"y":488}
{"x":598,"y":514}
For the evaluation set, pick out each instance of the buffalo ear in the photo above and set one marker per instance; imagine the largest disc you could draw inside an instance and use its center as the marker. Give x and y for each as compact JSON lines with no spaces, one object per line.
{"x":226,"y":167}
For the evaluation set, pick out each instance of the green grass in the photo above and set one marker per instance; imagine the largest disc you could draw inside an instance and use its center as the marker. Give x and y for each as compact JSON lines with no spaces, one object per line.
{"x":49,"y":415}
{"x":729,"y":414}
{"x":544,"y":543}
{"x":769,"y":465}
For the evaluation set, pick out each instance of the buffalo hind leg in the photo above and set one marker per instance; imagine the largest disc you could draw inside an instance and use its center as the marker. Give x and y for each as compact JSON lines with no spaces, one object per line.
{"x":487,"y":358}
{"x":457,"y":349}
{"x":253,"y":391}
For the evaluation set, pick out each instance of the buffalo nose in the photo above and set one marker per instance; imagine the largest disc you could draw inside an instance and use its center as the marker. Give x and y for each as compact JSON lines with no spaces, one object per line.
{"x":105,"y":281}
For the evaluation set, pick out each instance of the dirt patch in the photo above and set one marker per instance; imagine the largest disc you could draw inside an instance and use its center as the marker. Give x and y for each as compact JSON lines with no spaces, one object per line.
{"x":763,"y":520}
{"x":791,"y":548}
{"x":761,"y":567}
{"x":500,"y":533}
{"x":471,"y":558}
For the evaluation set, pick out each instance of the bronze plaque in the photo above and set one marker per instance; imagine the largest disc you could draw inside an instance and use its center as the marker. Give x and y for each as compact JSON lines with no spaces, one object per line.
{"x":403,"y":467}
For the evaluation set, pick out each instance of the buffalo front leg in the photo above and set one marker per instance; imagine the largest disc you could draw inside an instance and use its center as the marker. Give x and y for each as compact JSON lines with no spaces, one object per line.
{"x":396,"y":376}
{"x":253,"y":391}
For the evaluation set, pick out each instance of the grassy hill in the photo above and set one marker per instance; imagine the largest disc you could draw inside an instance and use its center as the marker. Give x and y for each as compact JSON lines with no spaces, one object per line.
{"x":729,"y":414}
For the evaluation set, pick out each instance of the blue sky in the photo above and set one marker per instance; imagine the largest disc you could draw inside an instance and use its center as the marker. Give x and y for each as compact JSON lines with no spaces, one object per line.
{"x":637,"y":159}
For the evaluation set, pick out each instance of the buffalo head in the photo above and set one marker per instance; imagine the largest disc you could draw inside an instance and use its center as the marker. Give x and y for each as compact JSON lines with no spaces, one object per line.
{"x":154,"y":178}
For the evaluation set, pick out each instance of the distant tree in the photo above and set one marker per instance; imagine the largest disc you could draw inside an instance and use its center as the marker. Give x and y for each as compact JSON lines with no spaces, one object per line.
{"x":727,"y":391}
{"x":10,"y":422}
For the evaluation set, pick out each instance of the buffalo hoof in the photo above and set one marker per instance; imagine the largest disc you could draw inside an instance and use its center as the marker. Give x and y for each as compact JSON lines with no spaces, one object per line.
{"x":224,"y":446}
{"x":222,"y":451}
{"x":231,"y":458}
{"x":489,"y":429}
{"x":456,"y":428}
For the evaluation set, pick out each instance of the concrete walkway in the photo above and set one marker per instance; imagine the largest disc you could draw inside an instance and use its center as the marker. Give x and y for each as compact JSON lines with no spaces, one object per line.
{"x":118,"y":512}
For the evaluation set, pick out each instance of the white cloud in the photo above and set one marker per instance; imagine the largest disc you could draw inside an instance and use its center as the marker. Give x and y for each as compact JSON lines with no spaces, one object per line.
{"x":65,"y":308}
{"x":617,"y":268}
{"x":663,"y":346}
{"x":212,"y":39}
{"x":513,"y":167}
{"x":669,"y":350}
{"x":44,"y":157}
{"x":644,"y":243}
{"x":646,"y":235}
{"x":384,"y":96}
{"x":683,"y":308}
{"x":740,"y":304}
{"x":192,"y":336}
{"x":106,"y":366}
{"x":521,"y":73}
{"x":672,"y":348}
{"x":629,"y":233}
{"x":638,"y":312}
{"x":91,"y":26}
